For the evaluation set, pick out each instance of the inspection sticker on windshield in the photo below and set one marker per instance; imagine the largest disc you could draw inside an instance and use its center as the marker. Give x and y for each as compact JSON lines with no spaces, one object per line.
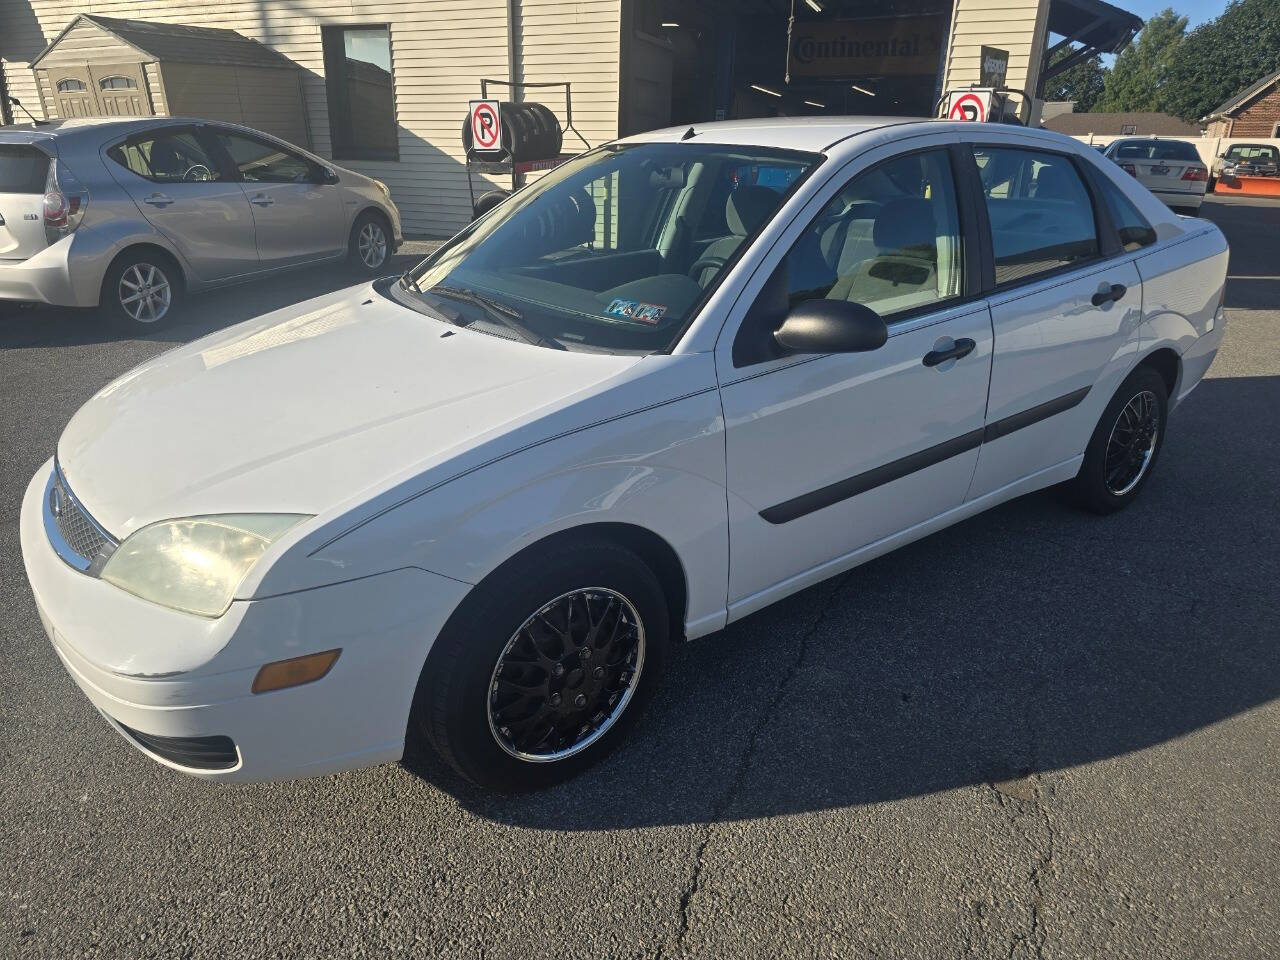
{"x":646,"y":313}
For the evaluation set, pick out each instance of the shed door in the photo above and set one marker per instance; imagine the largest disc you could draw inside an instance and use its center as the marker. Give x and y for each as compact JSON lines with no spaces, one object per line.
{"x":121,"y":90}
{"x":73,"y":89}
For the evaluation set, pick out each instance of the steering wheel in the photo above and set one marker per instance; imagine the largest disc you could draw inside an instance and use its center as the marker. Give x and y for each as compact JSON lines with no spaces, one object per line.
{"x":196,"y":168}
{"x":702,"y":263}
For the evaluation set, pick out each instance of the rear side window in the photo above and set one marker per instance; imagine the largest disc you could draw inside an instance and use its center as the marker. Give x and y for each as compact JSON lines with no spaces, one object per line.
{"x":22,"y":169}
{"x":1040,"y":211}
{"x":167,"y":158}
{"x":1134,"y":230}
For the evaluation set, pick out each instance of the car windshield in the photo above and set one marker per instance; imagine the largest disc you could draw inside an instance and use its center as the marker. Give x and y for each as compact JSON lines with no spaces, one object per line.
{"x":1252,"y":152}
{"x":613,"y":251}
{"x":1157,"y":150}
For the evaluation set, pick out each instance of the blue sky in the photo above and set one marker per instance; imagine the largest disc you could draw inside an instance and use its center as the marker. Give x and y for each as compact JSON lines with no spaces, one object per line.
{"x":1197,"y":11}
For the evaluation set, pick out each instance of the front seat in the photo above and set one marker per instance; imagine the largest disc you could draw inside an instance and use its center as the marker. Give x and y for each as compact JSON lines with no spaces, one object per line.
{"x":906,"y":261}
{"x":745,"y":211}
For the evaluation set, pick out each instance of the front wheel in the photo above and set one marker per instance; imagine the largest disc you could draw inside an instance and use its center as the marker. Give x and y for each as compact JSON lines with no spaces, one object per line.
{"x":544,"y":665}
{"x":369,"y":246}
{"x":1125,"y":444}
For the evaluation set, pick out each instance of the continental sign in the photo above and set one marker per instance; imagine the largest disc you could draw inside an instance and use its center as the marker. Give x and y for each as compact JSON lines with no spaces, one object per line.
{"x":895,"y":46}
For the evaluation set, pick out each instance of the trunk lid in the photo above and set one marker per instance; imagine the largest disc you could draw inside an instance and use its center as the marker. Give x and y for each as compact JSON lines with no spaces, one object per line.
{"x":24,"y":171}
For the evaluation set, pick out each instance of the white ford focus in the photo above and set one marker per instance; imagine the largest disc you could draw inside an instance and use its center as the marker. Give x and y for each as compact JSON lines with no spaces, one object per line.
{"x":673,"y":381}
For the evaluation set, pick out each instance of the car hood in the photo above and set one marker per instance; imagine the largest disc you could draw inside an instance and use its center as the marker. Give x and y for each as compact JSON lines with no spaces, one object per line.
{"x":302,"y":409}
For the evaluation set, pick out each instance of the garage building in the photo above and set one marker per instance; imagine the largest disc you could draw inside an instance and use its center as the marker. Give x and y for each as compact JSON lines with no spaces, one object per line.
{"x":382,"y":85}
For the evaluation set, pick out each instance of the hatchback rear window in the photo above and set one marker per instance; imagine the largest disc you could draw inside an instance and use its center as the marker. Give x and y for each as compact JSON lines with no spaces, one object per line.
{"x":22,"y":169}
{"x":1157,"y":150}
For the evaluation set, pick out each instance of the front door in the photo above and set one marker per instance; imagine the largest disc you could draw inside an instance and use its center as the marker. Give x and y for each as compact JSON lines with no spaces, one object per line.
{"x":297,"y":218}
{"x":185,"y":192}
{"x":829,"y":454}
{"x":121,"y":90}
{"x":1066,"y":314}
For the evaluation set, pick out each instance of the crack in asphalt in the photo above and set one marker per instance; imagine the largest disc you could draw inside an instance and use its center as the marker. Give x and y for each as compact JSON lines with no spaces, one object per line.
{"x":730,"y":796}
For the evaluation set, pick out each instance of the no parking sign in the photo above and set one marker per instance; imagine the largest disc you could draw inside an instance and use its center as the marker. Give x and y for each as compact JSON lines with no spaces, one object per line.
{"x":486,"y":126}
{"x":971,"y":105}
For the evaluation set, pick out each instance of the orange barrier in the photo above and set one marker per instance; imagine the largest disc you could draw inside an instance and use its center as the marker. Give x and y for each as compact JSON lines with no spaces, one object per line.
{"x":1254,"y":186}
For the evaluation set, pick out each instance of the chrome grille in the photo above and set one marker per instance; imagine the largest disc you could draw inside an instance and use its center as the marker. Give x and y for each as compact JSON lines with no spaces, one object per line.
{"x":75,"y":536}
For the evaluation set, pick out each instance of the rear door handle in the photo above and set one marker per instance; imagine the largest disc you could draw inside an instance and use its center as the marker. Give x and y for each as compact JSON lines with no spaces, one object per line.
{"x":158,"y":200}
{"x":1109,"y":295}
{"x":262,"y":200}
{"x":963,"y":347}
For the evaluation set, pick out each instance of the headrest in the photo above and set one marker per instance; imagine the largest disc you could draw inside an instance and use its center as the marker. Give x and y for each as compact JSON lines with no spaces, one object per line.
{"x":904,"y":224}
{"x":1054,"y":183}
{"x":564,"y":222}
{"x":748,"y":207}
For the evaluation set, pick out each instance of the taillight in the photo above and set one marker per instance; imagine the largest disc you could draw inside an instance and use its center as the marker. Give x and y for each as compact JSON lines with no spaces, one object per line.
{"x":65,"y":200}
{"x":1129,"y":168}
{"x":1195,"y":173}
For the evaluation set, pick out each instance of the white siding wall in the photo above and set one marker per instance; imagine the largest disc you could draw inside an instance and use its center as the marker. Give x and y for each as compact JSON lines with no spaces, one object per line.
{"x":1015,"y":25}
{"x":440,"y":50}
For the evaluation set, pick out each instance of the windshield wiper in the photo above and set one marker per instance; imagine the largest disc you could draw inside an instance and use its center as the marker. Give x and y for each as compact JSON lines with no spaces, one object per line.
{"x":409,"y":283}
{"x":507,"y":316}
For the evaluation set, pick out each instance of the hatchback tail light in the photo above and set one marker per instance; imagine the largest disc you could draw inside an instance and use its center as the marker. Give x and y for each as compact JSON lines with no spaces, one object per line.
{"x":1129,"y":168}
{"x":1195,"y":173}
{"x":65,"y":200}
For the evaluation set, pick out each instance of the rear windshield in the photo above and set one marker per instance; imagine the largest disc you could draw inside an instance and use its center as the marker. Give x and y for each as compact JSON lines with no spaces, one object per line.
{"x":1157,"y":150}
{"x":22,"y":169}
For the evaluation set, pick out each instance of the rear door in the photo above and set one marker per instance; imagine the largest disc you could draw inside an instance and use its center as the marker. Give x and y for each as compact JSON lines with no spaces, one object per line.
{"x":185,"y":191}
{"x":296,"y":217}
{"x":1066,"y":310}
{"x":23,"y":169}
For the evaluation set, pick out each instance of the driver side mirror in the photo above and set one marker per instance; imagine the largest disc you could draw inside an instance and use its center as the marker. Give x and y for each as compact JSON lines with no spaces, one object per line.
{"x":831,"y":326}
{"x":325,"y":175}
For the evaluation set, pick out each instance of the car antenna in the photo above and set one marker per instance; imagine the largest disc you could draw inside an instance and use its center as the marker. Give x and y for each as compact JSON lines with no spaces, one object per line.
{"x":689,"y":134}
{"x":18,"y":103}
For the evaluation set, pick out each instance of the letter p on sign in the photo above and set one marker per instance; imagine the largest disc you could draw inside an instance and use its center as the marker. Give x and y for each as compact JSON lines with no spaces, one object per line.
{"x":486,"y":125}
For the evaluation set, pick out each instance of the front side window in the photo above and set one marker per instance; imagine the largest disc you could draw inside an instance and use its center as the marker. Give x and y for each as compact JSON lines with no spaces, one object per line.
{"x":171,"y":157}
{"x":889,"y":240}
{"x":1040,"y":211}
{"x":261,"y":162}
{"x":361,"y":93}
{"x":612,"y":251}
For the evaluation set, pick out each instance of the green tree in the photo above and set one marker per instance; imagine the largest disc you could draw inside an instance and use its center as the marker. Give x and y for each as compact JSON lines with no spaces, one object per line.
{"x":1082,"y":83}
{"x":1220,"y":58}
{"x":1137,"y":80}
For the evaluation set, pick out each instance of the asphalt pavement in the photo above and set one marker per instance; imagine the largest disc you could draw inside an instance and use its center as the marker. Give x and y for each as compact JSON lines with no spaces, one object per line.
{"x":1039,"y":733}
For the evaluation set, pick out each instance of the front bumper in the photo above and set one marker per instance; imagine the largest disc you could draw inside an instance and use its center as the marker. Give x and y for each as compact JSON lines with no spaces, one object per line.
{"x":156,"y":673}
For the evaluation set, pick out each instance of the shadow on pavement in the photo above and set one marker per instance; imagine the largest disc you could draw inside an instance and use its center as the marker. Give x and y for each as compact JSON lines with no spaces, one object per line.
{"x":1032,"y":638}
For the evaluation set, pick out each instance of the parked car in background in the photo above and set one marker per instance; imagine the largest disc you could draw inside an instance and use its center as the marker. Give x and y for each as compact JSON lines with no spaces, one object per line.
{"x":130,"y":215}
{"x":1171,"y":169}
{"x":1246,"y":160}
{"x":555,"y":449}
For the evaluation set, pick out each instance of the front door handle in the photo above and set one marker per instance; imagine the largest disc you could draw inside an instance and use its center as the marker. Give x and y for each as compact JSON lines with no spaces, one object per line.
{"x":158,"y":200}
{"x":262,"y":200}
{"x":1110,"y":294}
{"x":962,"y":348}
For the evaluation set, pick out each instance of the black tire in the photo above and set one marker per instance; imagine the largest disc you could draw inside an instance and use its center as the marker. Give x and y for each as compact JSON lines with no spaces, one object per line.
{"x":142,"y":291}
{"x":369,"y":245}
{"x":487,"y":202}
{"x":452,"y":708}
{"x":1105,"y":484}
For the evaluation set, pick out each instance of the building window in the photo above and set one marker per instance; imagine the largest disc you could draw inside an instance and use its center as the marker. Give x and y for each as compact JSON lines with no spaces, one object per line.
{"x":1128,"y":129}
{"x":118,"y":83}
{"x":1275,"y":131}
{"x":362,"y":100}
{"x":71,"y":86}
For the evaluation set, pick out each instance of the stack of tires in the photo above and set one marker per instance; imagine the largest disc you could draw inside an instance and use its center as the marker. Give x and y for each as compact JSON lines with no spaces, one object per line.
{"x":530,"y":131}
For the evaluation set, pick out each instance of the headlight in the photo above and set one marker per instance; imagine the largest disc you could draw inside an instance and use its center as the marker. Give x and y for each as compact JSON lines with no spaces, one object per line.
{"x":196,"y":564}
{"x":386,"y":191}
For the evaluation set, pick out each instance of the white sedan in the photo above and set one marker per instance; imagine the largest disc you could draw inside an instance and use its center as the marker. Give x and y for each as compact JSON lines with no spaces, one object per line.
{"x":675,"y":380}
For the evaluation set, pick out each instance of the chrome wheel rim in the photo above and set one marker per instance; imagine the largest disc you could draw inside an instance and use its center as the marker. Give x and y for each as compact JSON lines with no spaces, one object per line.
{"x":566,"y":675}
{"x":1132,"y":444}
{"x":145,"y":294}
{"x":372,"y":245}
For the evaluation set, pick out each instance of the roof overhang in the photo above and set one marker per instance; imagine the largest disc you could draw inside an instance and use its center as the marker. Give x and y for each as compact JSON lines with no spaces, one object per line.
{"x":1091,"y":27}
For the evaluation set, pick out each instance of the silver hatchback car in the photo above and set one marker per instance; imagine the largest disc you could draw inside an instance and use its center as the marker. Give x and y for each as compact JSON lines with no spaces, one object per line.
{"x":129,"y":215}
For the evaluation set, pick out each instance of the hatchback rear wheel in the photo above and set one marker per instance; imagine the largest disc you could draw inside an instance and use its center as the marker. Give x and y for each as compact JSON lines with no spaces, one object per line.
{"x":141,"y":290}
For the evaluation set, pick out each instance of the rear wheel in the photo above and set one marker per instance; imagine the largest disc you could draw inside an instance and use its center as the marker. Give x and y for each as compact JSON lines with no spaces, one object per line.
{"x":544,"y":665}
{"x":1125,"y":444}
{"x":369,"y":247}
{"x":141,"y":291}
